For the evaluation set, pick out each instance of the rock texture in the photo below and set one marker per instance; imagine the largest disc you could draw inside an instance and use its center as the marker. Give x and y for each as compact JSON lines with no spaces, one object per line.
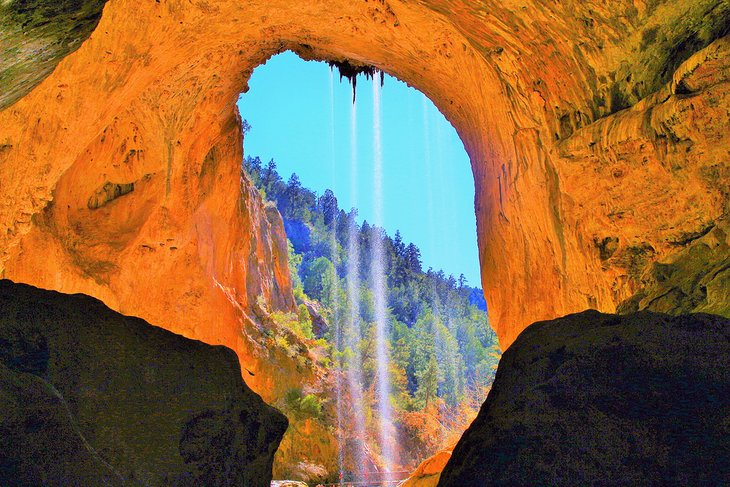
{"x":695,"y":279}
{"x":429,"y":471}
{"x":91,"y":397}
{"x":35,"y":35}
{"x":597,"y":134}
{"x":596,"y":399}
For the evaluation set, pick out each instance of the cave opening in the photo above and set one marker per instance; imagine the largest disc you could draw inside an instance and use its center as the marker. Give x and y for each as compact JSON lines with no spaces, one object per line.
{"x":598,"y":141}
{"x":377,"y":199}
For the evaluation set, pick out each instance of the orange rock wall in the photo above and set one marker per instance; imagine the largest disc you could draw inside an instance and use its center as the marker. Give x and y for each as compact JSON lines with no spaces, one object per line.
{"x":190,"y":248}
{"x":533,"y":87}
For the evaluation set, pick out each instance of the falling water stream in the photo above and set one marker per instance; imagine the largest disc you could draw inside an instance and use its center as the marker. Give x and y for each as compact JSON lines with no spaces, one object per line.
{"x":429,"y":170}
{"x":333,"y":297}
{"x":386,"y":431}
{"x":353,"y":333}
{"x":368,"y":448}
{"x":348,"y":335}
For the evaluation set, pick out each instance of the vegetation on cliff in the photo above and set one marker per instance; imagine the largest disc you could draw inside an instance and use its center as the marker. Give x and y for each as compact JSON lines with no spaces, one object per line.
{"x":443,"y":352}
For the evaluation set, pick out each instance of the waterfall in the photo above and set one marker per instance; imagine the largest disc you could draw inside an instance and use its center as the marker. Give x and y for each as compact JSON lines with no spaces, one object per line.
{"x":434,"y":243}
{"x":444,"y":203}
{"x":386,"y":431}
{"x":348,"y":325}
{"x":353,"y":333}
{"x":336,"y":317}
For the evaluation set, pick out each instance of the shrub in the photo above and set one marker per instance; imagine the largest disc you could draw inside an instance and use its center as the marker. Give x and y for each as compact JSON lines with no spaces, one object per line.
{"x":310,"y":406}
{"x":303,"y":407}
{"x":305,"y":322}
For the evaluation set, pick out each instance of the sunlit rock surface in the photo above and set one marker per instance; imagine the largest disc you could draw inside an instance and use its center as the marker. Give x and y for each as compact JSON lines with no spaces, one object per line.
{"x":597,"y":133}
{"x":91,"y":397}
{"x":595,"y":399}
{"x":429,"y":471}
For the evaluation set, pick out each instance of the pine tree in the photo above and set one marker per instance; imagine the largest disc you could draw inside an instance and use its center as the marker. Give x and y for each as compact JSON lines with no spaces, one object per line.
{"x":398,"y":245}
{"x":428,"y":381}
{"x":413,"y":259}
{"x":327,"y":205}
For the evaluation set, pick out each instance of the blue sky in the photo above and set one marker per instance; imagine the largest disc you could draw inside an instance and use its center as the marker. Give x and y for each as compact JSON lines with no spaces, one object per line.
{"x":428,"y":188}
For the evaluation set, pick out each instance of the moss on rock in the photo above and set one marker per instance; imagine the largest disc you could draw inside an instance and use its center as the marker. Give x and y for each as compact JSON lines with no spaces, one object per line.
{"x":35,"y":35}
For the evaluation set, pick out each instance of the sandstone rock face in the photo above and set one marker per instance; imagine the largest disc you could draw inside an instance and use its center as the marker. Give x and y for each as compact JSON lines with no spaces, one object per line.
{"x":91,"y":397}
{"x":429,"y":471}
{"x":595,"y":399}
{"x":598,"y":136}
{"x":695,"y":279}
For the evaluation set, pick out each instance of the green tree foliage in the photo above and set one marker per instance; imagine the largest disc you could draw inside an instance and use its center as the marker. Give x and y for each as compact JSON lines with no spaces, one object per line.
{"x":302,"y":406}
{"x":327,"y":206}
{"x":320,"y":281}
{"x":305,"y":321}
{"x":295,"y":262}
{"x":440,"y":341}
{"x":428,"y":380}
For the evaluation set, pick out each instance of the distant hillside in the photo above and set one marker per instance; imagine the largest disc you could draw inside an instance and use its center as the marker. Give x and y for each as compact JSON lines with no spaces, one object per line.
{"x":442,"y":348}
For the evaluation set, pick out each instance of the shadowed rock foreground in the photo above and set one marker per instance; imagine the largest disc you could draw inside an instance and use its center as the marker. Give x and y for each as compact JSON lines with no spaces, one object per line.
{"x":596,"y":399}
{"x":91,"y":397}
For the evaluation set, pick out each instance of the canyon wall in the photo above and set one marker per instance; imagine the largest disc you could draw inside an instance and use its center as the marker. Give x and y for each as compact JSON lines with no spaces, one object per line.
{"x":598,"y":136}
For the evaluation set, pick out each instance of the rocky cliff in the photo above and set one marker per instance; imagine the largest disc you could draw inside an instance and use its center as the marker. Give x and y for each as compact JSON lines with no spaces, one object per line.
{"x":597,"y":134}
{"x":595,"y":399}
{"x":91,"y":397}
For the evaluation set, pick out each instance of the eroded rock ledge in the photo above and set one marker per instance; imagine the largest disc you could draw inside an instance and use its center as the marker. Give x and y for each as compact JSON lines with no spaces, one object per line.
{"x":91,"y":397}
{"x":597,"y":399}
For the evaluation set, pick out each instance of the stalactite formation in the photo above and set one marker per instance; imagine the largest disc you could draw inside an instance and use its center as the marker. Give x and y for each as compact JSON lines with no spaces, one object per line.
{"x":351,"y":70}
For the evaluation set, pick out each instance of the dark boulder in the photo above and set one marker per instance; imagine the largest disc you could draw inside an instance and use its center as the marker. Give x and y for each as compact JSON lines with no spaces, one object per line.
{"x":91,"y":397}
{"x":596,"y":399}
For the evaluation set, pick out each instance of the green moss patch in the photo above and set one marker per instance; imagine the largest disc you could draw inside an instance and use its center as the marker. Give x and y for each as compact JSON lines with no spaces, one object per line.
{"x":35,"y":35}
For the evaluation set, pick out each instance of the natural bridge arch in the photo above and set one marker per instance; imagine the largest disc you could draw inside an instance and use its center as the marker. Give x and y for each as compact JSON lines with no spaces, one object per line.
{"x":121,"y":171}
{"x":597,"y":134}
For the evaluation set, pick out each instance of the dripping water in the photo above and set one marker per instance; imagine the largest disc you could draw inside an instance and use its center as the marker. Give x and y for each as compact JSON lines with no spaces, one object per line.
{"x":434,"y":161}
{"x":429,"y":176}
{"x":353,"y":333}
{"x":386,"y":431}
{"x":333,"y":298}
